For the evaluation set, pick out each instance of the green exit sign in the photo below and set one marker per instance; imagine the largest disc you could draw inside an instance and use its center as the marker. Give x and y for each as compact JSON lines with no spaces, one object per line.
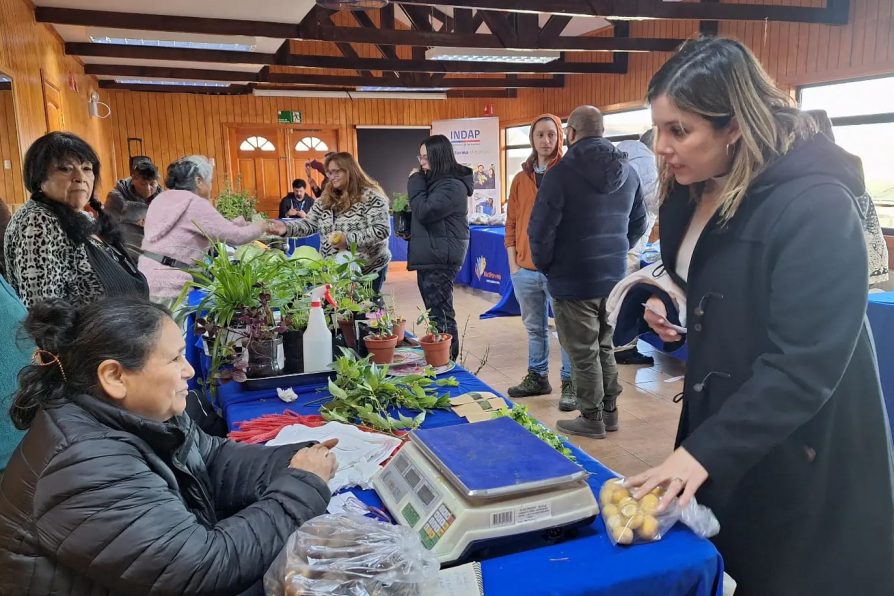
{"x":289,"y":117}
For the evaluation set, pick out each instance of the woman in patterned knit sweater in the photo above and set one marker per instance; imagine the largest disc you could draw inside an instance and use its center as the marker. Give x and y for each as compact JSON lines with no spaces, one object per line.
{"x":353,"y":211}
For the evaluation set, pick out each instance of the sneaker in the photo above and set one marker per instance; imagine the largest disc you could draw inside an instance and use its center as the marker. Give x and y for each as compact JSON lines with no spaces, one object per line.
{"x":610,"y":418}
{"x":568,"y":401}
{"x":593,"y":428}
{"x":633,"y":356}
{"x":532,"y":384}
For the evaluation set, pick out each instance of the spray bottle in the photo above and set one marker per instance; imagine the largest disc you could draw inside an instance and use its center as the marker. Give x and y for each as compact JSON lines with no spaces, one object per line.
{"x":317,"y":336}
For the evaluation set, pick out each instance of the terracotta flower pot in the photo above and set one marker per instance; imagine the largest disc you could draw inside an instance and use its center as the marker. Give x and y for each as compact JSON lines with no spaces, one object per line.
{"x":437,"y":352}
{"x":347,"y":331}
{"x":399,"y":328}
{"x":381,"y":348}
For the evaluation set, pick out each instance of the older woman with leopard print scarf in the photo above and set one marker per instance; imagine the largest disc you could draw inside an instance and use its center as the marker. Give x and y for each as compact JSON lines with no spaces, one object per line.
{"x":53,"y":248}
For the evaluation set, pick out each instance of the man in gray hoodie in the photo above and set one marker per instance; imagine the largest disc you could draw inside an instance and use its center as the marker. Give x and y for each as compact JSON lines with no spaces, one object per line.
{"x":130,"y":199}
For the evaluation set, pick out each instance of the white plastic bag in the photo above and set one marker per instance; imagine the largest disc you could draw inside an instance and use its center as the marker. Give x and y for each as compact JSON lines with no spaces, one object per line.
{"x":352,"y":555}
{"x":629,"y":521}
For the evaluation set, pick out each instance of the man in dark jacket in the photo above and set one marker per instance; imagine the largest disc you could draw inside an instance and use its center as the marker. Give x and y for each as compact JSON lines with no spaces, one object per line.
{"x":297,"y":203}
{"x":129,"y":201}
{"x":589,"y":212}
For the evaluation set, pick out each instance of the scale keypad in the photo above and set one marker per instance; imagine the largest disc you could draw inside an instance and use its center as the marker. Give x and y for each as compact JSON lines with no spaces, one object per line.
{"x":436,"y":525}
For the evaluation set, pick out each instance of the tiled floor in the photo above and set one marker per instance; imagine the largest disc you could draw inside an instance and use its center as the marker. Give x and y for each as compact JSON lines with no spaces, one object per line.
{"x":648,"y":414}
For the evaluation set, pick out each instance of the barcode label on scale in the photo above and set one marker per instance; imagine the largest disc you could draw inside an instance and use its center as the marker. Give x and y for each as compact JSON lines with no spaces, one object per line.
{"x":503,"y":518}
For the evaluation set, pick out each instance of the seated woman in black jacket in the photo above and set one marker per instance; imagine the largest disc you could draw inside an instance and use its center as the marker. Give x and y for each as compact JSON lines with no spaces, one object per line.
{"x":439,"y":231}
{"x":112,"y":490}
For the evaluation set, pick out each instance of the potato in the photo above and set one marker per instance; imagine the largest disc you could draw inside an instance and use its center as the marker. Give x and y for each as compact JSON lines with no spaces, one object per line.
{"x":649,"y":503}
{"x":648,"y":530}
{"x":606,"y":492}
{"x":620,"y":493}
{"x":614,"y":522}
{"x":628,"y":508}
{"x":610,"y":510}
{"x":636,"y":521}
{"x":622,"y":535}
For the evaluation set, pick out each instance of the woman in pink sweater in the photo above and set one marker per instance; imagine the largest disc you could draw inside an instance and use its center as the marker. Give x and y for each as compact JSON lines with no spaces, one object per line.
{"x":178,"y":225}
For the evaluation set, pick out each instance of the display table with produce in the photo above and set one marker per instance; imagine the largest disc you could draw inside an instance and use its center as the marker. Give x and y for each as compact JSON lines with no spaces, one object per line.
{"x":680,"y":563}
{"x":397,"y":246}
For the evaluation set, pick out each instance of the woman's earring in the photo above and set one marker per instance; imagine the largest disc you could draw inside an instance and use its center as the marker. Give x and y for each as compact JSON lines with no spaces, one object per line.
{"x":728,"y":145}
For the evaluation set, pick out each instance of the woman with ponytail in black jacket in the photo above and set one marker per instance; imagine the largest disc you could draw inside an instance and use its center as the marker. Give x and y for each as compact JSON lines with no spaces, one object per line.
{"x":439,"y":232}
{"x":113,"y":490}
{"x":53,"y":248}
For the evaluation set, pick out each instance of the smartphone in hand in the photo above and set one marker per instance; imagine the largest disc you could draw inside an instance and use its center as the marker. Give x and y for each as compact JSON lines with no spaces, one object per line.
{"x":677,"y":328}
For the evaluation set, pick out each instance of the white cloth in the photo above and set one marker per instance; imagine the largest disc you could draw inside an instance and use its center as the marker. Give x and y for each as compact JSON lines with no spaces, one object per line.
{"x":359,"y":453}
{"x":647,"y":275}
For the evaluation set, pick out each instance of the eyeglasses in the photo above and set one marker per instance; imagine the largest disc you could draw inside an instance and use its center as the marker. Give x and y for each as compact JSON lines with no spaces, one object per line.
{"x":334,"y":173}
{"x":422,"y":158}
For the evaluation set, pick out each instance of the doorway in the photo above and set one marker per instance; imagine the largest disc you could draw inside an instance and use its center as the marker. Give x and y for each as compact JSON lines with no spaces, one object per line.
{"x":265,"y":159}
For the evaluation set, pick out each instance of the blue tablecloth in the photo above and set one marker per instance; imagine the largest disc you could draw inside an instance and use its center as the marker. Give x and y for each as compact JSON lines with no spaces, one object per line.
{"x":880,"y":311}
{"x":487,"y":266}
{"x":588,"y":563}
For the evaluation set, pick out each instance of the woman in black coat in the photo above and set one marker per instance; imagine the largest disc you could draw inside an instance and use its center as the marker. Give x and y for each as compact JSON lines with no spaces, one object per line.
{"x":113,"y":491}
{"x":783,"y":432}
{"x":439,"y":231}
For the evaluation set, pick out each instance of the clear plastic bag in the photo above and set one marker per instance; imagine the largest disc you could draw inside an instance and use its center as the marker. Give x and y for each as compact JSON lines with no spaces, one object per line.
{"x":629,"y":521}
{"x":352,"y":555}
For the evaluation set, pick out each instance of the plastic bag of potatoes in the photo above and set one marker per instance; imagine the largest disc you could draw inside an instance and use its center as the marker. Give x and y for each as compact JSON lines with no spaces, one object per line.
{"x":352,"y":555}
{"x":631,"y":521}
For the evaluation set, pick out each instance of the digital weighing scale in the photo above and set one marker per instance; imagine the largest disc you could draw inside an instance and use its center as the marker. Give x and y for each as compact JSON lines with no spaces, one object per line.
{"x":464,"y":485}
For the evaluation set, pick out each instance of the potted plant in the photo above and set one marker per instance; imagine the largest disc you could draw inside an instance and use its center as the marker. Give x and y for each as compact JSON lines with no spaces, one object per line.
{"x":382,"y":341}
{"x":400,"y":208}
{"x":398,"y":322}
{"x":233,"y":203}
{"x":435,"y":344}
{"x":294,"y":317}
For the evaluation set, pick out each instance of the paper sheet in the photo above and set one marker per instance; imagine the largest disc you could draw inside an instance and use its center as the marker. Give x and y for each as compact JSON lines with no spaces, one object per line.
{"x":464,"y":580}
{"x":359,"y":453}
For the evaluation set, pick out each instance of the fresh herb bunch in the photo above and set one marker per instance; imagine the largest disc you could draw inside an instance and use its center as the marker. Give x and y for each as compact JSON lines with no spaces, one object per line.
{"x":520,"y":414}
{"x":364,"y":393}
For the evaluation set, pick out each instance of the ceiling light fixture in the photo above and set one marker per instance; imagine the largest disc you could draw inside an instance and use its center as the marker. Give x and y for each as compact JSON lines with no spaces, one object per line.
{"x":397,"y":89}
{"x":190,"y":41}
{"x":171,"y":83}
{"x":344,"y":94}
{"x":492,"y":55}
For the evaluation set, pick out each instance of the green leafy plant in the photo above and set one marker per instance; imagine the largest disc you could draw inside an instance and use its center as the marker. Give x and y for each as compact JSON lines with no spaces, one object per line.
{"x":431,"y":328}
{"x":380,"y":323}
{"x":364,"y":393}
{"x":520,"y":414}
{"x":400,"y":202}
{"x":233,"y":203}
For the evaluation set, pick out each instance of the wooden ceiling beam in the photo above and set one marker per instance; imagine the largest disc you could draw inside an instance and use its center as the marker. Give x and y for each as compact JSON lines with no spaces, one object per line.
{"x":327,"y":32}
{"x":832,"y":14}
{"x":267,"y":76}
{"x":553,"y":27}
{"x":446,"y":66}
{"x":164,"y":72}
{"x":231,"y":90}
{"x":160,"y":53}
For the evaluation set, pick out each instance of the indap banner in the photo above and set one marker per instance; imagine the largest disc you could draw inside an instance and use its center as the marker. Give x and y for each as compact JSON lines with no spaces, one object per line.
{"x":476,"y":143}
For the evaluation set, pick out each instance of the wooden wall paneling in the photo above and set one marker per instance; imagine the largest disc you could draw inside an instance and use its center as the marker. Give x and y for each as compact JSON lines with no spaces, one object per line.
{"x":11,"y":185}
{"x":28,"y":48}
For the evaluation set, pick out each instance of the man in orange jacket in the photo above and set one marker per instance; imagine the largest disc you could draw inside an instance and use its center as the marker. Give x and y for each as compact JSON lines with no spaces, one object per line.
{"x":529,"y":284}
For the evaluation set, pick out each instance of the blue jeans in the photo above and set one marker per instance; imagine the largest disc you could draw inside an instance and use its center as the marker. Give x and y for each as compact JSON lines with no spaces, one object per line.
{"x":534,"y":299}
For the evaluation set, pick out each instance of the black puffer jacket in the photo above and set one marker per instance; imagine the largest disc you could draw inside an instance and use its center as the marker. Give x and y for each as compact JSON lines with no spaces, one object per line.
{"x":439,"y":232}
{"x":589,"y":212}
{"x":98,"y":501}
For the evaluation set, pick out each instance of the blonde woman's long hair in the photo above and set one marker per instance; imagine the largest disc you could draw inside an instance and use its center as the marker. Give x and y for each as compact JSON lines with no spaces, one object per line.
{"x":720,"y":79}
{"x":358,"y":181}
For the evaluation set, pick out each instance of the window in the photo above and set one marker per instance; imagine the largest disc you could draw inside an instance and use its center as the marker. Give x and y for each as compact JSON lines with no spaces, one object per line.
{"x":255,"y":144}
{"x":863,"y":124}
{"x":618,"y":127}
{"x":311,"y":144}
